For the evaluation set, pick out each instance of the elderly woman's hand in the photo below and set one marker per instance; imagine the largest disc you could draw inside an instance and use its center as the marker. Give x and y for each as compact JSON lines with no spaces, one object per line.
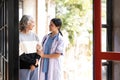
{"x":32,"y":67}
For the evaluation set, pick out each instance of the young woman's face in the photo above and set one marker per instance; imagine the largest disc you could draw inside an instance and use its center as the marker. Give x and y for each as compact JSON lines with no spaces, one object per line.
{"x":52,"y":27}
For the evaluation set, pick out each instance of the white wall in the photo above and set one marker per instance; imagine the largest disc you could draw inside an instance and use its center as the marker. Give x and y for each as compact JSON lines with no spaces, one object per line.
{"x":45,"y":14}
{"x":41,"y":18}
{"x":29,"y":8}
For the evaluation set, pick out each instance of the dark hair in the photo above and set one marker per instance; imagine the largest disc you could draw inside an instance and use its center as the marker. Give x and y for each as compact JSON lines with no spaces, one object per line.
{"x":24,"y":22}
{"x":58,"y":23}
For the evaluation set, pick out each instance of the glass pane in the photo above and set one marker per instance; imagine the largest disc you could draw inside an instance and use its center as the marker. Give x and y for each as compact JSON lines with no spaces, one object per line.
{"x":20,"y":9}
{"x":110,"y":70}
{"x":104,"y":36}
{"x":116,"y":70}
{"x":104,"y":19}
{"x":104,"y":70}
{"x":104,"y":12}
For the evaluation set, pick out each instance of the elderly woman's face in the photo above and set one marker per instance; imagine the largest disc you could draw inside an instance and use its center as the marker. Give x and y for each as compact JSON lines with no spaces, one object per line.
{"x":31,"y":24}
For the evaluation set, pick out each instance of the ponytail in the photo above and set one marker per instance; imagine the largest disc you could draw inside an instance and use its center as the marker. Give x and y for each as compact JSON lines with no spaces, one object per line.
{"x":60,"y":33}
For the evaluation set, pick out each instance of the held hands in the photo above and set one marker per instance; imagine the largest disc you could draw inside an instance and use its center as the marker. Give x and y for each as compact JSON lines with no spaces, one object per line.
{"x":38,"y":47}
{"x":39,"y":50}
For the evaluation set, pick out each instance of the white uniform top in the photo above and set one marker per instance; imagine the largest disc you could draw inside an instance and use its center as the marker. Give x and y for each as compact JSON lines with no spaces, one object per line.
{"x":55,"y":64}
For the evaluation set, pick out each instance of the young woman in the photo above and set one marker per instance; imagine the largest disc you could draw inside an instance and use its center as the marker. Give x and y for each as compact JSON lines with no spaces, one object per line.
{"x":53,"y":48}
{"x":27,"y":50}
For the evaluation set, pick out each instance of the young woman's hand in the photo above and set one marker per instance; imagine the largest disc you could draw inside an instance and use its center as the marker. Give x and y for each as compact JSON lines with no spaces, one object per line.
{"x":40,"y":52}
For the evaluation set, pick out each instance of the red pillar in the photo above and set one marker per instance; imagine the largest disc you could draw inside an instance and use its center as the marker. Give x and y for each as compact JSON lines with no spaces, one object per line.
{"x":97,"y":39}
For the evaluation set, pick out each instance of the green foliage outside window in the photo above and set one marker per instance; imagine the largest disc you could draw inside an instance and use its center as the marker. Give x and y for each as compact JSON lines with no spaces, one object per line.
{"x":74,"y":14}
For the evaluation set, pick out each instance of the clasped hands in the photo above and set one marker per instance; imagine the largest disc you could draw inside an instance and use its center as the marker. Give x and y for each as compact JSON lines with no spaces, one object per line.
{"x":39,"y":52}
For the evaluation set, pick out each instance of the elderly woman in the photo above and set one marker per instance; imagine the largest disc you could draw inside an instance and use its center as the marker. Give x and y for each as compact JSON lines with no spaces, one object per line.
{"x":53,"y":49}
{"x":27,"y":50}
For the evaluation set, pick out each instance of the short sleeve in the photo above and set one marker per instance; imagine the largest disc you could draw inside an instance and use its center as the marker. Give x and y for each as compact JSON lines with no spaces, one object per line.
{"x":60,"y":47}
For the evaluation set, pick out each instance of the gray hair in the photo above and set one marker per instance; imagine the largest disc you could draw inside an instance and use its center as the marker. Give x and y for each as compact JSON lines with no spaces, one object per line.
{"x":24,"y":22}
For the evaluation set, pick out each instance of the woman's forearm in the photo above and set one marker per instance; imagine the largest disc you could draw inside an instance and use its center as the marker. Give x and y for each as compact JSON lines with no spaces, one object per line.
{"x":55,"y":55}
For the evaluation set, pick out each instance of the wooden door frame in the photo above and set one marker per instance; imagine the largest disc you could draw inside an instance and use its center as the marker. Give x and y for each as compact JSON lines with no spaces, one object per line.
{"x":13,"y":39}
